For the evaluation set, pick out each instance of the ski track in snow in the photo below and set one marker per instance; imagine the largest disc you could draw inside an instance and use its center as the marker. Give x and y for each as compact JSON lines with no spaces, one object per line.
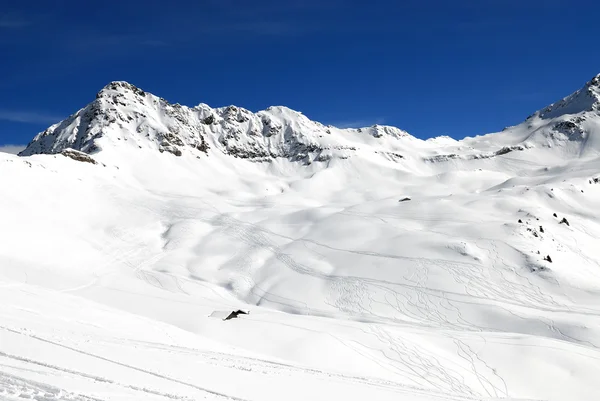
{"x":20,"y":388}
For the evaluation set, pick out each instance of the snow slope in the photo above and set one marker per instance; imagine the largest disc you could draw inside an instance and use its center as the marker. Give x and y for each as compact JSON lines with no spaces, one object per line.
{"x":129,"y":224}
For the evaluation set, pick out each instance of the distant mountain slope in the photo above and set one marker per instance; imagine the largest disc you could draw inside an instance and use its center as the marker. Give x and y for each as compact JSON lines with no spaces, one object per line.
{"x":570,"y":126}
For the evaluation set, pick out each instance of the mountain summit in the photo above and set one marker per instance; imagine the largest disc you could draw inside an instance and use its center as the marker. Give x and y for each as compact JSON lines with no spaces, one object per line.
{"x":571,"y":124}
{"x":585,"y":100}
{"x":124,"y":115}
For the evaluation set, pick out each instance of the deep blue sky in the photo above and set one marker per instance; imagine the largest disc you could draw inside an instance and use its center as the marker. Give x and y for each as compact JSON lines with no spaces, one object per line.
{"x":431,"y":67}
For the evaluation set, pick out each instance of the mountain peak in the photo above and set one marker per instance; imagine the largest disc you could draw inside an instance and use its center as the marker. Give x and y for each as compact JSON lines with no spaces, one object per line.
{"x":571,"y":125}
{"x":120,"y":114}
{"x":123,"y":116}
{"x":586,"y":99}
{"x":594,"y":81}
{"x":120,"y":86}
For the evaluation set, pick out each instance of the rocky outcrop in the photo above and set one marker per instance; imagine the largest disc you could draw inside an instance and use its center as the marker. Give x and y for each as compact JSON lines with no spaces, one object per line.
{"x":78,"y":156}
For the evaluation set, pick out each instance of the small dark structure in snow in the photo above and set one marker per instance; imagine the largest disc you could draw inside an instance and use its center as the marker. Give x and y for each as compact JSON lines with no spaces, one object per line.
{"x":548,"y":259}
{"x":228,"y":315}
{"x":234,"y":314}
{"x":404,"y":199}
{"x":564,"y":221}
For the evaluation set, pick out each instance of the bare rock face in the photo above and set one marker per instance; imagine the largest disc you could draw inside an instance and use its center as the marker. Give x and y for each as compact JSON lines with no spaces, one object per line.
{"x":78,"y":156}
{"x":123,"y":113}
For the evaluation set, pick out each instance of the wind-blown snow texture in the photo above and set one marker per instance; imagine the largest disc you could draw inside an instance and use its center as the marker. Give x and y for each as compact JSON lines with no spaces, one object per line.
{"x":374,"y":265}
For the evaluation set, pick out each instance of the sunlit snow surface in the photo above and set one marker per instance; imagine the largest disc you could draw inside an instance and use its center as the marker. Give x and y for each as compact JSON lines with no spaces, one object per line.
{"x":109,"y":272}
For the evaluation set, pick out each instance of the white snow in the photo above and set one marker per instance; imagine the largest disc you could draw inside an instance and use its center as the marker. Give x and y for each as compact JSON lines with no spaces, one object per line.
{"x":110,"y":272}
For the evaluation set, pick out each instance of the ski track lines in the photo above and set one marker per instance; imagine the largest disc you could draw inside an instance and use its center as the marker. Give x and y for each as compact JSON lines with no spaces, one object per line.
{"x":16,"y":388}
{"x":354,"y":294}
{"x":16,"y":385}
{"x":157,"y":375}
{"x":354,"y":298}
{"x":357,"y":295}
{"x":353,"y":290}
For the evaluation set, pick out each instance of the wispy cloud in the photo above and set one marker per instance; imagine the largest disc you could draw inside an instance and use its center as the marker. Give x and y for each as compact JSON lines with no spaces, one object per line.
{"x":12,"y":149}
{"x":522,"y":96}
{"x":8,"y":20}
{"x":260,"y":28}
{"x":153,"y":43}
{"x":30,"y":117}
{"x":94,"y":45}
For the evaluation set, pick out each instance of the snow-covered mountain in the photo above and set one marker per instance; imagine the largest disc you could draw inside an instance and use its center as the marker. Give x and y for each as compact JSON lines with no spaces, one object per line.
{"x":373,"y":264}
{"x":123,"y":115}
{"x":571,"y":125}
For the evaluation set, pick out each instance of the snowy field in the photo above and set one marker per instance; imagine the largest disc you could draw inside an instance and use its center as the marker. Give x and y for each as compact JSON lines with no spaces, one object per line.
{"x":109,"y":272}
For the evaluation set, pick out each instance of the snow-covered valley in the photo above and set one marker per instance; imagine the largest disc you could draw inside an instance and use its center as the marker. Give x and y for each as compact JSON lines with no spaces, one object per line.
{"x":374,"y":265}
